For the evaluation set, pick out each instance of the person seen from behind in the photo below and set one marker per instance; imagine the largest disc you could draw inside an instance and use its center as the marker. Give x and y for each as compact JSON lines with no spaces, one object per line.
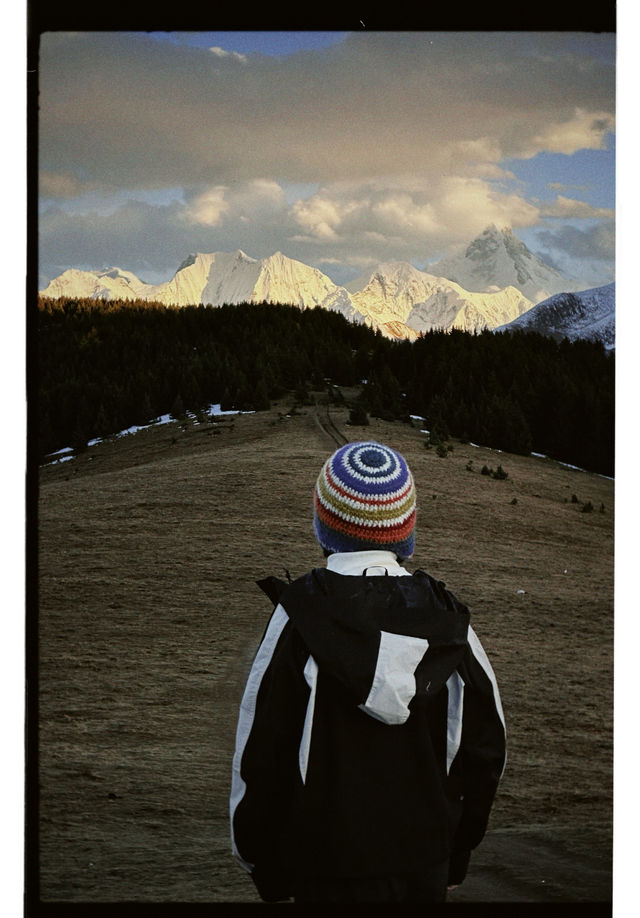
{"x":371,"y":737}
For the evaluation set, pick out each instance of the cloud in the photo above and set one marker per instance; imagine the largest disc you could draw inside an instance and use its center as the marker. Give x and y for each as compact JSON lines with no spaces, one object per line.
{"x":125,"y":110}
{"x":62,"y":185}
{"x":385,"y":146}
{"x":234,"y":55}
{"x":355,"y":223}
{"x":588,"y":251}
{"x":569,"y":208}
{"x":585,"y":130}
{"x":152,"y":239}
{"x":250,"y":201}
{"x":410,"y":216}
{"x":594,"y":242}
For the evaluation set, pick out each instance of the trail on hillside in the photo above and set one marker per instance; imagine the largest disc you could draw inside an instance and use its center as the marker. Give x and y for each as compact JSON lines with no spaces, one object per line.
{"x":328,"y":426}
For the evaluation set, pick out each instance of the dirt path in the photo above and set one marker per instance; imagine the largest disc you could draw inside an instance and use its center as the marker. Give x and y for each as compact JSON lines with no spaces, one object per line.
{"x":149,"y":617}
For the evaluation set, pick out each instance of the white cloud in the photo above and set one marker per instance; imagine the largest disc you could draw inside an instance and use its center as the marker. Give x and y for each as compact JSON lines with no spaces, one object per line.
{"x":569,"y":208}
{"x":233,"y":55}
{"x":401,"y":213}
{"x":585,"y":130}
{"x":326,"y":214}
{"x":209,"y":207}
{"x":480,"y":149}
{"x":411,"y":213}
{"x":223,"y":202}
{"x":468,"y":205}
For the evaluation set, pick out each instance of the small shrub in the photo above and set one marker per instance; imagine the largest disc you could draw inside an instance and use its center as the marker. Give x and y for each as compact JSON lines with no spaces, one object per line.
{"x":358,"y":417}
{"x":588,"y":507}
{"x":499,"y":473}
{"x":574,"y":499}
{"x":442,"y":451}
{"x":514,"y":501}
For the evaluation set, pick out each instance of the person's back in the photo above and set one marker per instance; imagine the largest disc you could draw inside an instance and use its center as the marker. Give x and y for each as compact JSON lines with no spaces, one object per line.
{"x":371,"y":738}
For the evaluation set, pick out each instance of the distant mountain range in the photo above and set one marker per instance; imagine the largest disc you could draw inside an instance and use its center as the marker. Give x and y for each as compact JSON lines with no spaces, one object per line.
{"x":492,"y":284}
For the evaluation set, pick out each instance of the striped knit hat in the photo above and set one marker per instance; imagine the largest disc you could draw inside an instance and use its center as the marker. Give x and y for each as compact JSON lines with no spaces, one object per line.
{"x":365,"y":498}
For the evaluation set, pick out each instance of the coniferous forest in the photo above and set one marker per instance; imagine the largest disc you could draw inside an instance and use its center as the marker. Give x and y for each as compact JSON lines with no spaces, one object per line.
{"x":103,"y":366}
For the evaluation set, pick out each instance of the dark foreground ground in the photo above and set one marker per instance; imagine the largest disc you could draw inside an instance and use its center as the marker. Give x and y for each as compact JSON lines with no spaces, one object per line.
{"x":148,"y":618}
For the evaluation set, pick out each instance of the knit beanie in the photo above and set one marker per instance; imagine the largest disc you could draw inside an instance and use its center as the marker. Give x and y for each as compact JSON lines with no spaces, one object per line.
{"x":365,"y":498}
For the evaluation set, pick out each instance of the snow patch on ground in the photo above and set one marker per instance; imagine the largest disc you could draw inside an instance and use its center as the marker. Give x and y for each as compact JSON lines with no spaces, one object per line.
{"x":67,"y":452}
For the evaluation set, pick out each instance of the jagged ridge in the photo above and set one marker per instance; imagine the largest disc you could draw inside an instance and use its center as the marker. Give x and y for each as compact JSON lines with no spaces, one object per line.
{"x":396,"y":298}
{"x":588,"y":314}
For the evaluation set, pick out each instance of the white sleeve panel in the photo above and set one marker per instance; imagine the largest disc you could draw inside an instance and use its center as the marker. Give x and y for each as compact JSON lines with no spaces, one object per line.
{"x":482,"y":658}
{"x":311,"y":677}
{"x":247,"y":713}
{"x":455,"y":705}
{"x":394,"y":683}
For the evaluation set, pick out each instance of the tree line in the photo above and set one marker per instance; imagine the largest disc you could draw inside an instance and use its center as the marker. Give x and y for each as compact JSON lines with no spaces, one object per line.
{"x":103,"y":366}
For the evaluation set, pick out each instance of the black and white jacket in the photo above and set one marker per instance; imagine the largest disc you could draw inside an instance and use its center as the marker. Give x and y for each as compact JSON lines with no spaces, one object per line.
{"x":371,"y":736}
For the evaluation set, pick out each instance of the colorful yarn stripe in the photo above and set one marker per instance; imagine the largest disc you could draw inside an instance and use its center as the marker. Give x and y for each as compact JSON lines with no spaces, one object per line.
{"x":365,"y":498}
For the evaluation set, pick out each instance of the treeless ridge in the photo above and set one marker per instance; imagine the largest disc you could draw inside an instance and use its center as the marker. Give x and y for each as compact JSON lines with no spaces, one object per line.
{"x":149,"y":617}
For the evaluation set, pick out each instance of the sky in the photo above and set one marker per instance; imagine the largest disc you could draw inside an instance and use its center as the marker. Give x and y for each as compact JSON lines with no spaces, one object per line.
{"x":342,"y":149}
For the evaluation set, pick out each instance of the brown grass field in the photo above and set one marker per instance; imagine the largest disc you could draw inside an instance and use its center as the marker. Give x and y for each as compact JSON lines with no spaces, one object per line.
{"x":149,"y":616}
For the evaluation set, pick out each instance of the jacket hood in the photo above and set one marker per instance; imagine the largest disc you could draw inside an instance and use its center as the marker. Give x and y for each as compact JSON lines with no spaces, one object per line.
{"x":391,"y":641}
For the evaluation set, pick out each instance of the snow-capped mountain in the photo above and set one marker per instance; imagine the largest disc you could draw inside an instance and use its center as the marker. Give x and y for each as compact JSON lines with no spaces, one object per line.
{"x":397,"y":292}
{"x":589,"y":314}
{"x":496,"y":259}
{"x":234,"y":277}
{"x":109,"y":284}
{"x":217,"y":278}
{"x":395,"y":297}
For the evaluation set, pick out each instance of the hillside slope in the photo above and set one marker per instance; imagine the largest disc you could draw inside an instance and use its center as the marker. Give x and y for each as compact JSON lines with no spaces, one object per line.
{"x":149,"y":617}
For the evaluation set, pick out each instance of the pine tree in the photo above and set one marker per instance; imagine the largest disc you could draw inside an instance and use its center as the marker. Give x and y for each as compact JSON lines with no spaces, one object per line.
{"x":177,"y":409}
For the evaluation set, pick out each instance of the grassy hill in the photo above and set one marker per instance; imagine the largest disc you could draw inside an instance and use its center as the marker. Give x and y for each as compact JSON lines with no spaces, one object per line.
{"x":149,"y":616}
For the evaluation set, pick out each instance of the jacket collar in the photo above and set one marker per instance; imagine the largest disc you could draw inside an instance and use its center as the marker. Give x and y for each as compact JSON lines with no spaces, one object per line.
{"x":372,"y":562}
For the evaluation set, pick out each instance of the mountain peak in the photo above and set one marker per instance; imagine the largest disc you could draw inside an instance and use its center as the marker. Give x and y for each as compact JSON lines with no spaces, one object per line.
{"x":496,"y":259}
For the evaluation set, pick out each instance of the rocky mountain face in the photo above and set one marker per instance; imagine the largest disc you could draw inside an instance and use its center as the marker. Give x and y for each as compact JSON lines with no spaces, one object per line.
{"x":494,"y":283}
{"x":589,"y":314}
{"x":397,"y":292}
